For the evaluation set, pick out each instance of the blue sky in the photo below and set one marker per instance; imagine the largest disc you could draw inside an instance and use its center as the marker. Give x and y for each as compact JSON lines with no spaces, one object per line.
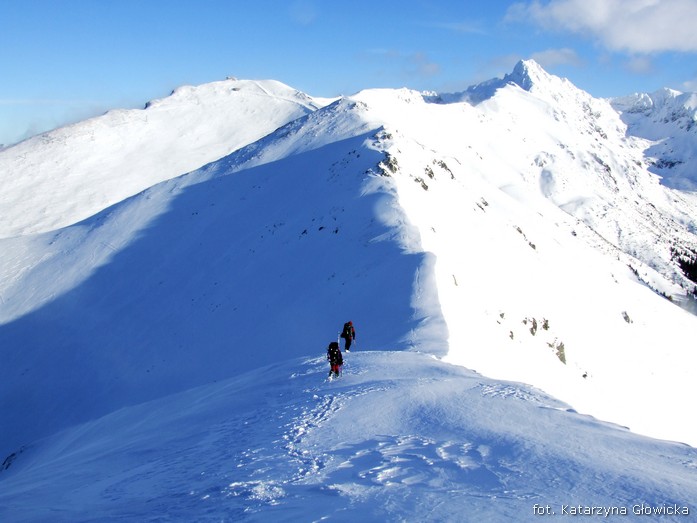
{"x":63,"y":61}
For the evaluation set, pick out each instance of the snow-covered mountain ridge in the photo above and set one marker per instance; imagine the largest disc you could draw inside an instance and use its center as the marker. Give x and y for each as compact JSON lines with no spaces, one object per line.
{"x":511,"y":223}
{"x":63,"y":176}
{"x":521,"y":234}
{"x":667,"y":118}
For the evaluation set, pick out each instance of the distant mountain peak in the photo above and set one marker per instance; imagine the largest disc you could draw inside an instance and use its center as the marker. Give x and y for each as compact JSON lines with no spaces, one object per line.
{"x":526,"y":74}
{"x":661,"y":99}
{"x":668,"y":118}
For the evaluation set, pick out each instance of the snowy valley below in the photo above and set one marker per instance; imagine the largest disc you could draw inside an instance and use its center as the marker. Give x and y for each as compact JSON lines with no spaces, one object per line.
{"x":519,"y":261}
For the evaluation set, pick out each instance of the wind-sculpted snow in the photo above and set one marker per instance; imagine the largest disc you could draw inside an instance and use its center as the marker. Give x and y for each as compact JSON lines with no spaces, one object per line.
{"x":400,"y":436}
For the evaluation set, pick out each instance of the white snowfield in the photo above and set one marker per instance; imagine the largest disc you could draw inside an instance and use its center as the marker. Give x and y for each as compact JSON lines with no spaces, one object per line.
{"x":163,"y":326}
{"x":399,"y":437}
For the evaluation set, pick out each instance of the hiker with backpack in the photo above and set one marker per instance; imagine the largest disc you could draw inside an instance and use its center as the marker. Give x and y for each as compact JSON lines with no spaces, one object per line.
{"x":336,"y":360}
{"x":349,"y":334}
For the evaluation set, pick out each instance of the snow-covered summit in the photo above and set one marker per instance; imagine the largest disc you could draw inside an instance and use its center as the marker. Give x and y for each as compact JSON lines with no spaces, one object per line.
{"x":527,"y":75}
{"x":66,"y":175}
{"x":188,"y":94}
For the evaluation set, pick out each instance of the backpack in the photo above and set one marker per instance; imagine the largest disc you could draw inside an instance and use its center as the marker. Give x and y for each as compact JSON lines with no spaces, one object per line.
{"x":346,"y":333}
{"x":334,"y":354}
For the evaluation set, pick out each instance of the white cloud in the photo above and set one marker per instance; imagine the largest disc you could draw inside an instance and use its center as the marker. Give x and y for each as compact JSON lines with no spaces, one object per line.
{"x":424,"y":66}
{"x":634,"y":26}
{"x":554,"y":57}
{"x":640,"y":64}
{"x":412,"y":65}
{"x":462,"y":27}
{"x":690,"y":85}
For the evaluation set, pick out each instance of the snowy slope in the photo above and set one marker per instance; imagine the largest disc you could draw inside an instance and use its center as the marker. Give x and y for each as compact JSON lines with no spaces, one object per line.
{"x":204,"y":276}
{"x":399,"y":437}
{"x":544,"y":252}
{"x":580,"y":154}
{"x":516,"y":229}
{"x":66,"y":175}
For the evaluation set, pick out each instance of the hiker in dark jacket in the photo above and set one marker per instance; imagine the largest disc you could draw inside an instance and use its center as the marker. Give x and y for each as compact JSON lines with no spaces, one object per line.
{"x":336,"y":360}
{"x":349,"y":334}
